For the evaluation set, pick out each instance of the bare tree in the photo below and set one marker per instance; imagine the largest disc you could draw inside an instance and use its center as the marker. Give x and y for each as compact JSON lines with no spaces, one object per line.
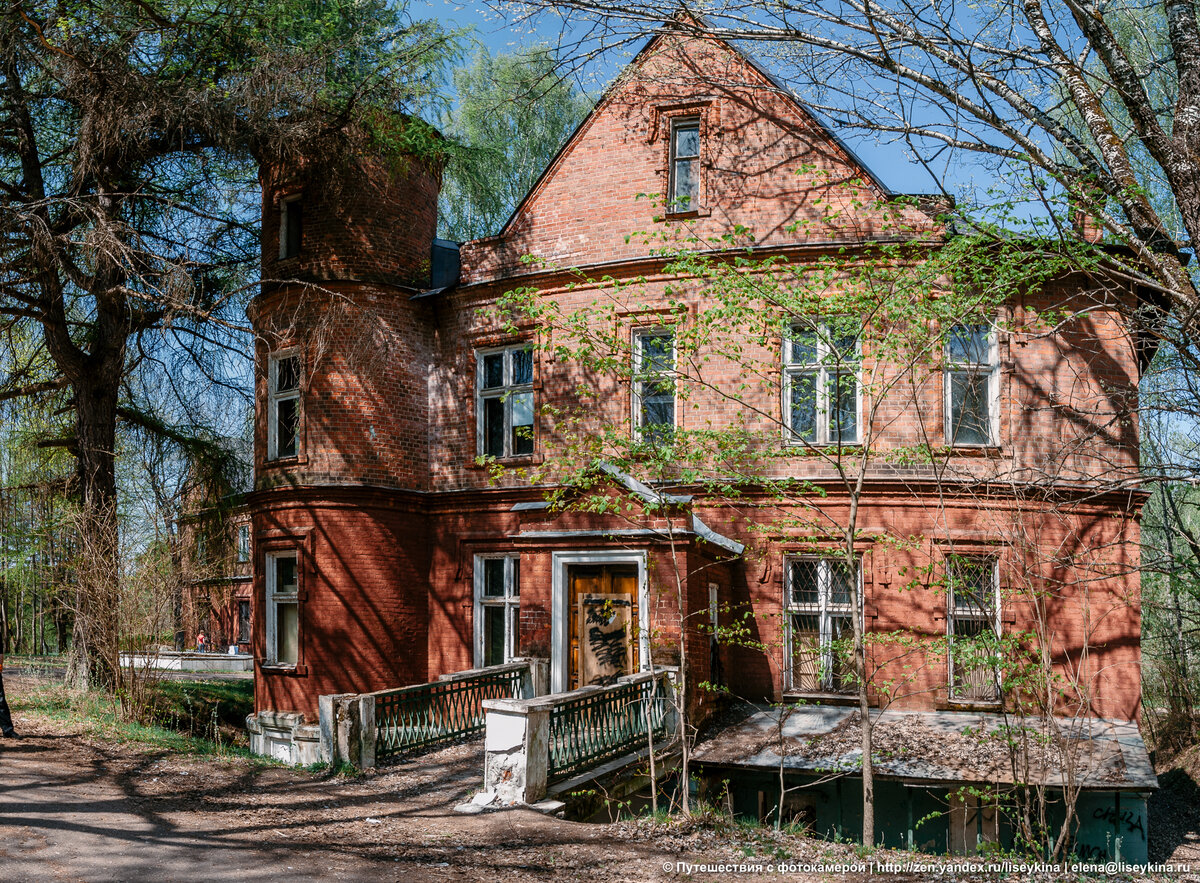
{"x":129,"y":139}
{"x":1095,"y":102}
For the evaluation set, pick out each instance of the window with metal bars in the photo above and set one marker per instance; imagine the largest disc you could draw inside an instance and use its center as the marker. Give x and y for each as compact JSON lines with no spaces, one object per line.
{"x":973,"y":627}
{"x":243,"y":622}
{"x":818,"y":606}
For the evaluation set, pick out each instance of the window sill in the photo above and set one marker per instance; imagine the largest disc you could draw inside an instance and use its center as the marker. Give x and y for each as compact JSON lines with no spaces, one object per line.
{"x":684,"y":216}
{"x":821,"y":698}
{"x":523,"y":460}
{"x":295,"y":671}
{"x":981,"y":451}
{"x":821,"y":447}
{"x":280,"y":462}
{"x":970,"y":705}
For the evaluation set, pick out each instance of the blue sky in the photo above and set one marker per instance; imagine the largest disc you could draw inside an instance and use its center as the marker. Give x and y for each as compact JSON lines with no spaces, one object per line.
{"x":887,"y":160}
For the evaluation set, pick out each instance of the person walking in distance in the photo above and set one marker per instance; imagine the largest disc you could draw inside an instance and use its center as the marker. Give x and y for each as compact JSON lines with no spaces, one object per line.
{"x":6,"y":724}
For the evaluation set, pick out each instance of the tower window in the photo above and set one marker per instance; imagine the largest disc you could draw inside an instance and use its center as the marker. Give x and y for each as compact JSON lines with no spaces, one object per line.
{"x":283,"y":406}
{"x":283,"y":609}
{"x":291,"y":227}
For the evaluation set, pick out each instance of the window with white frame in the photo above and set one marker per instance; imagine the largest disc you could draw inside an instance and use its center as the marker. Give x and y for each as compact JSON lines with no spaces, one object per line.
{"x":291,"y":226}
{"x":971,"y":385}
{"x":818,"y":606}
{"x":821,"y":389}
{"x":973,"y":627}
{"x":283,"y":608}
{"x":283,"y":406}
{"x":654,"y":385}
{"x":497,"y":608}
{"x":243,"y":543}
{"x":683,"y":192}
{"x":504,"y":399}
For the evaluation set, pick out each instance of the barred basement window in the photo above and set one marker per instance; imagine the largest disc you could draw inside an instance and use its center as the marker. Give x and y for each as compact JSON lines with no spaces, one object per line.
{"x":283,"y":609}
{"x":818,"y":604}
{"x":504,"y":402}
{"x":497,"y":609}
{"x":971,"y":385}
{"x":821,"y":387}
{"x":283,"y":406}
{"x":973,"y":627}
{"x":683,"y":192}
{"x":654,"y":386}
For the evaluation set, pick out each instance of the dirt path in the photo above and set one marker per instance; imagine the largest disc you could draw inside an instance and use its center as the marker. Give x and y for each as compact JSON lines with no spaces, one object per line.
{"x":72,"y":809}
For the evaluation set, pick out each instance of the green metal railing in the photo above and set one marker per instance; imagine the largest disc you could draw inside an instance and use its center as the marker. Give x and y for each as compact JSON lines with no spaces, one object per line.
{"x":442,"y":711}
{"x":595,"y":727}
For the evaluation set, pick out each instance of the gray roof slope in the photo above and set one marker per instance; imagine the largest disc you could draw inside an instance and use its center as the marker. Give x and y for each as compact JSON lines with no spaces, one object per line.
{"x":933,"y":747}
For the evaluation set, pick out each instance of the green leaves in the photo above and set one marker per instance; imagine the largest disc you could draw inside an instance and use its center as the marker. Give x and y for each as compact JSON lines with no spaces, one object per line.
{"x":513,"y":114}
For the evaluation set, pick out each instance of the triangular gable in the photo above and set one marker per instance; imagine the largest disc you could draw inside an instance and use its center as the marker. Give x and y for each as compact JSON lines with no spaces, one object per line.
{"x":755,"y":135}
{"x":647,"y":49}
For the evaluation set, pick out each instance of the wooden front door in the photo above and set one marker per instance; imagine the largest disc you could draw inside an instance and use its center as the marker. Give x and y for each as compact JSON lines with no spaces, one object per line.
{"x":604,"y":617}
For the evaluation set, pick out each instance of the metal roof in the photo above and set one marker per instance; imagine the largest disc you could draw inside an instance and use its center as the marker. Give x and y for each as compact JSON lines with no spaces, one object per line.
{"x":935,"y":747}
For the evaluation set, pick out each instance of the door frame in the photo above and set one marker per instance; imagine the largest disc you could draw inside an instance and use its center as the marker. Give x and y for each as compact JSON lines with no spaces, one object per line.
{"x":560,"y":641}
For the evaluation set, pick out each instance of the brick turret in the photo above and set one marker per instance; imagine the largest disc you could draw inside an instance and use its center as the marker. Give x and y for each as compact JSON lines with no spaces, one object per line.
{"x":349,"y":218}
{"x":343,"y":356}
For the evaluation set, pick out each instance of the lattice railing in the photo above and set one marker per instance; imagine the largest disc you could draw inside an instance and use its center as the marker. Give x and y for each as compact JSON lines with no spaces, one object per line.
{"x":443,"y":711}
{"x":587,"y":730}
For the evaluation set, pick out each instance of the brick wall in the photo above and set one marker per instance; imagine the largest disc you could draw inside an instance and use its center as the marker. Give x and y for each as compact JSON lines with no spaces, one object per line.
{"x":766,"y":165}
{"x":363,"y":219}
{"x":364,"y":405}
{"x":364,"y":601}
{"x":389,"y":508}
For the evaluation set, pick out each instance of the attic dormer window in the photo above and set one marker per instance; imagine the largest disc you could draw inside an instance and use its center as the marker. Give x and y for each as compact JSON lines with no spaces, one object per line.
{"x":683,"y":194}
{"x":291,"y":226}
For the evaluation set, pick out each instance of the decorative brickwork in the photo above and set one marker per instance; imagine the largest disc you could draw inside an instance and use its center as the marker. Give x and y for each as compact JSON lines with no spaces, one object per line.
{"x":386,"y":508}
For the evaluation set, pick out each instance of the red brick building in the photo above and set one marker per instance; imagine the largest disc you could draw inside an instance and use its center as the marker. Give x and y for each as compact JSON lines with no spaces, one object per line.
{"x":384,"y":554}
{"x":216,"y":550}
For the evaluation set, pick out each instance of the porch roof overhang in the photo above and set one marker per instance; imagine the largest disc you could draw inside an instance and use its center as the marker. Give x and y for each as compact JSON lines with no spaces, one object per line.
{"x":698,"y":531}
{"x":935,"y":748}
